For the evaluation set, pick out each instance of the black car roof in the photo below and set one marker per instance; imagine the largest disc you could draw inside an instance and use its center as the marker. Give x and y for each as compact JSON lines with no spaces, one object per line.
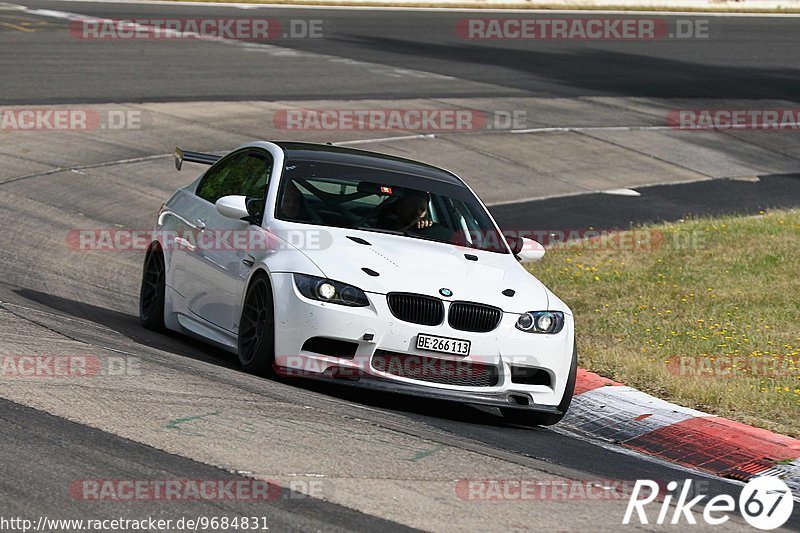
{"x":329,"y":153}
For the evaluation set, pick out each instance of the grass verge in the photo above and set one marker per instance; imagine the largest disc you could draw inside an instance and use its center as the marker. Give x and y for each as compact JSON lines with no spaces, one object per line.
{"x":704,"y":312}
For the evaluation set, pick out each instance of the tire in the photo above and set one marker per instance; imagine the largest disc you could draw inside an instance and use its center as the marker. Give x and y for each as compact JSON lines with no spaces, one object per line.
{"x":151,"y":294}
{"x":531,"y":418}
{"x":257,"y":329}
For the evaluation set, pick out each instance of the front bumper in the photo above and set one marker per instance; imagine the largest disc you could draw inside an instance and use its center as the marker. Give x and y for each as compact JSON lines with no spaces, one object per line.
{"x":297,"y":319}
{"x":508,"y":399}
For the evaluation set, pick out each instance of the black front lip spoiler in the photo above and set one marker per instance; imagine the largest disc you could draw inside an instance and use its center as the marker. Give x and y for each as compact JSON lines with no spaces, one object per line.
{"x":491,"y":399}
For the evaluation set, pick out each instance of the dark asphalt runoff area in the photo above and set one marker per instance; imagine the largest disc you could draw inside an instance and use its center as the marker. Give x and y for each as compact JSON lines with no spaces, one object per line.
{"x":658,"y":203}
{"x":747,"y":58}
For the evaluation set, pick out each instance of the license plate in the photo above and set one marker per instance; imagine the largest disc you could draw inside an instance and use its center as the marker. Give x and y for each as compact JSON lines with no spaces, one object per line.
{"x":442,"y":344}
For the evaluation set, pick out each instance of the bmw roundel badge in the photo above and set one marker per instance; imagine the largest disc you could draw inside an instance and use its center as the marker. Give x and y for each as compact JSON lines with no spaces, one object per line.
{"x":445,"y":292}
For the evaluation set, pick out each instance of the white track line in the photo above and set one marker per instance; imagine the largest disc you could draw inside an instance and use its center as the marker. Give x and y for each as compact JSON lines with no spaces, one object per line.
{"x":578,"y":129}
{"x":240,"y":5}
{"x":583,"y":129}
{"x":387,"y":139}
{"x":622,"y":192}
{"x":272,"y":49}
{"x":84,"y":167}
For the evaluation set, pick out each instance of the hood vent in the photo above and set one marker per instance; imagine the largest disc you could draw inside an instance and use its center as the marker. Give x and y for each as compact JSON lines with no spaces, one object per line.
{"x":359,"y":240}
{"x":370,"y":272}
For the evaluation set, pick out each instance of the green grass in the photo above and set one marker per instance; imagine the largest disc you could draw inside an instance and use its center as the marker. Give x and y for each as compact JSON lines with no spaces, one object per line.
{"x":703,"y":312}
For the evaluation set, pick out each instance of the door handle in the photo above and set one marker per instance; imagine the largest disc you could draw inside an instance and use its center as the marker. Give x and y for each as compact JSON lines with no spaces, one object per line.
{"x":199,"y":224}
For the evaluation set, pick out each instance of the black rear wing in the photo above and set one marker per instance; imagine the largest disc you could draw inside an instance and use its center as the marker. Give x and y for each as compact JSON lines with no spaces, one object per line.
{"x":194,"y":157}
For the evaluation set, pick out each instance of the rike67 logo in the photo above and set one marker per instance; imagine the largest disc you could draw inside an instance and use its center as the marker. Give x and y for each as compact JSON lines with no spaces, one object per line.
{"x":765,"y":503}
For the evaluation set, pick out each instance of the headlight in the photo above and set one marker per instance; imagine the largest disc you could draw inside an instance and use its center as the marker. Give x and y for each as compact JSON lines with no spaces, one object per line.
{"x":327,"y":290}
{"x":541,"y":321}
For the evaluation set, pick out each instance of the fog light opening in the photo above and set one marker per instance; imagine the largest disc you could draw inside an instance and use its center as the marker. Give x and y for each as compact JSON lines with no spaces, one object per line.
{"x":519,"y":399}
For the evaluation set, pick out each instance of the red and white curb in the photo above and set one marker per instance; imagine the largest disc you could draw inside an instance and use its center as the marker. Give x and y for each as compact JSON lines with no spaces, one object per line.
{"x":606,"y":410}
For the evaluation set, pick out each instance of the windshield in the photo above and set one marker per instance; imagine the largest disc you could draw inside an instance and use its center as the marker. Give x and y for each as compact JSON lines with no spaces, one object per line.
{"x":355,"y":197}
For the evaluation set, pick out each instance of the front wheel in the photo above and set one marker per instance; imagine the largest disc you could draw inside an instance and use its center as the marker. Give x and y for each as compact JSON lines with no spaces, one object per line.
{"x":256,"y":328}
{"x":522,"y":417}
{"x":151,"y":294}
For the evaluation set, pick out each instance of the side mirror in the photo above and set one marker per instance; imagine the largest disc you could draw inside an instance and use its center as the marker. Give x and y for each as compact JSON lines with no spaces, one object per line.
{"x":233,"y":207}
{"x":515,"y":243}
{"x":530,"y":250}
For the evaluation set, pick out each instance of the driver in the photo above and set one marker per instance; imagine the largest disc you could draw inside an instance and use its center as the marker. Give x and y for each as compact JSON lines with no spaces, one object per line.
{"x":293,"y":205}
{"x":410,"y":211}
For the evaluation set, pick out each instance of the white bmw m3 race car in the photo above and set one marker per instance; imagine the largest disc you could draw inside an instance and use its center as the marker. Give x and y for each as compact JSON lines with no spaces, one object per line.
{"x":322,"y":261}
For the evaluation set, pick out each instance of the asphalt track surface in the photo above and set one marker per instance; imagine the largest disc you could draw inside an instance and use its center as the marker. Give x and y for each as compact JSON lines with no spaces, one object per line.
{"x":745,"y":58}
{"x":43,"y":453}
{"x":83,"y":453}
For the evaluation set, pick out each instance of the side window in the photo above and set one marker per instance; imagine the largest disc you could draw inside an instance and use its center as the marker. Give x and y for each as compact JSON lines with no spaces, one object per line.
{"x":255,"y":173}
{"x":216,"y":181}
{"x":244,"y":174}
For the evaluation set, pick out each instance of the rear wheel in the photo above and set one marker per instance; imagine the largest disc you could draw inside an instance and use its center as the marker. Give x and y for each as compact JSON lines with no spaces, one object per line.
{"x":256,"y":328}
{"x":531,"y":418}
{"x":151,"y":294}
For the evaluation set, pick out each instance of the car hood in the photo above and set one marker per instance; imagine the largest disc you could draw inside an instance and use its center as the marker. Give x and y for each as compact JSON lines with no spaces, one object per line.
{"x":406,"y":264}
